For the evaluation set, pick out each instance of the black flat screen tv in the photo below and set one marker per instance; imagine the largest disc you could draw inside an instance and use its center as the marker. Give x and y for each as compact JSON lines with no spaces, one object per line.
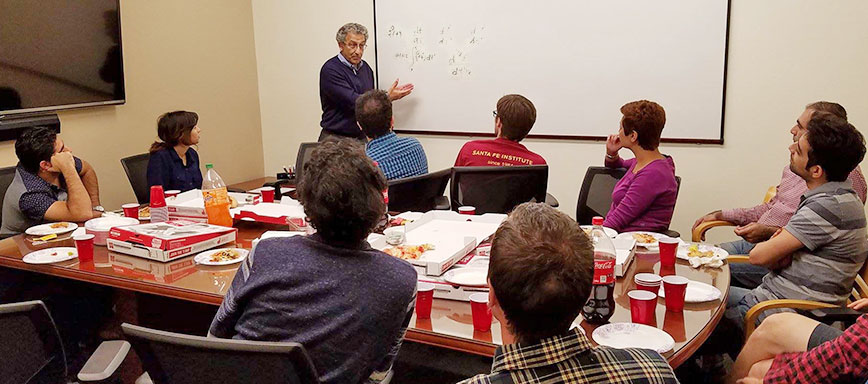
{"x":59,"y":54}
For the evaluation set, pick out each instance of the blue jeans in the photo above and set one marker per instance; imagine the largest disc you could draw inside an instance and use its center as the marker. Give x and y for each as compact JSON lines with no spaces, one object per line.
{"x":742,"y":274}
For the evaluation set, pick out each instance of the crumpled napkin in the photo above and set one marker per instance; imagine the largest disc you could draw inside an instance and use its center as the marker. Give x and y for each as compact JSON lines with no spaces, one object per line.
{"x":713,"y":261}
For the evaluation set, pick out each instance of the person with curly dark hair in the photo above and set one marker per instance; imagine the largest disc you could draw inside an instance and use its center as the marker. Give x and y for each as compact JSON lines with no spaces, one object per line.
{"x":644,"y":199}
{"x":329,"y":290}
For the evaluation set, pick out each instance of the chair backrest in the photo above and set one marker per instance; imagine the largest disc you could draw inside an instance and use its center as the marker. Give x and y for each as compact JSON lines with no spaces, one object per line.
{"x":30,"y":345}
{"x":498,"y":189}
{"x":770,"y":194}
{"x":595,"y":195}
{"x":6,"y":176}
{"x":418,"y":193}
{"x":136,"y":168}
{"x":304,"y":151}
{"x":176,"y":358}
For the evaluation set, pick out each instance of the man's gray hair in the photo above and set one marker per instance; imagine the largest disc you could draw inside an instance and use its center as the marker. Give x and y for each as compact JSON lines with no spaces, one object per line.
{"x":351,"y":28}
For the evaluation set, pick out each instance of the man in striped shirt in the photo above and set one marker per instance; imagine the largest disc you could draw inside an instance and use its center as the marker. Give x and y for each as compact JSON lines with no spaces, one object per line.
{"x":758,"y":223}
{"x":398,"y":157}
{"x":817,"y":255}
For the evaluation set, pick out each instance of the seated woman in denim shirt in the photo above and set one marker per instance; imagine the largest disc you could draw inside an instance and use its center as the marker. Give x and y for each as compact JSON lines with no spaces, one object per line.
{"x":173,"y":163}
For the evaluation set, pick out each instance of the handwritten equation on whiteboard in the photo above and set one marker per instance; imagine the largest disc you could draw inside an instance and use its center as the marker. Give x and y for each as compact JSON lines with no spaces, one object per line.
{"x":445,"y":47}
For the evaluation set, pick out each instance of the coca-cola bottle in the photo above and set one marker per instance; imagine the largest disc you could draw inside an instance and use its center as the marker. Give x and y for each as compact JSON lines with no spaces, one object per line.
{"x":601,"y":302}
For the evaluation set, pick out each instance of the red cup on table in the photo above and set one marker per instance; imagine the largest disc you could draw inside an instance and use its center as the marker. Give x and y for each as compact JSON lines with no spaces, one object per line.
{"x":480,"y":311}
{"x":84,"y":246}
{"x":424,"y":299}
{"x":675,"y":288}
{"x":131,"y":210}
{"x":172,"y":193}
{"x":467,"y":210}
{"x":643,"y":305}
{"x":648,"y":282}
{"x":668,"y":247}
{"x":267,"y":194}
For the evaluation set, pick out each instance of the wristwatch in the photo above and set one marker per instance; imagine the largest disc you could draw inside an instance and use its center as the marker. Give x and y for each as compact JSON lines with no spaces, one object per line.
{"x":99,"y":208}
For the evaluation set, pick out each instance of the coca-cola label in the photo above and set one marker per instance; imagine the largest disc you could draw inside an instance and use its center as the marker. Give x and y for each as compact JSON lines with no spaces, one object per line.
{"x":604,"y":271}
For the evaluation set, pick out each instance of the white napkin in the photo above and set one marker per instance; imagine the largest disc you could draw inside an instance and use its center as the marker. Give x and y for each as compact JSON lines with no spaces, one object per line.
{"x":713,"y":261}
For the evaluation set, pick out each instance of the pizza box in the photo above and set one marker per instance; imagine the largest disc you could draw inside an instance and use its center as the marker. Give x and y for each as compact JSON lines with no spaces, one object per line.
{"x":170,"y":234}
{"x":453,"y":236}
{"x":625,"y":249}
{"x":164,"y":255}
{"x":190,"y":205}
{"x":273,"y":213}
{"x":444,"y":290}
{"x":144,"y":269}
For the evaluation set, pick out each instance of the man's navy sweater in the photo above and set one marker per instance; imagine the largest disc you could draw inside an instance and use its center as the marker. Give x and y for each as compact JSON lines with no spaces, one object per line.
{"x":339,"y":87}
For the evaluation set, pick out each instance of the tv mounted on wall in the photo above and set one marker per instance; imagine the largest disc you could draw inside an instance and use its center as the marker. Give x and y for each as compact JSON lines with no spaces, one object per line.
{"x":59,"y":54}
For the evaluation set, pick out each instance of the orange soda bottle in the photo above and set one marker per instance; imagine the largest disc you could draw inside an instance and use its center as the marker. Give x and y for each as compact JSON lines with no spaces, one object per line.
{"x":216,"y":198}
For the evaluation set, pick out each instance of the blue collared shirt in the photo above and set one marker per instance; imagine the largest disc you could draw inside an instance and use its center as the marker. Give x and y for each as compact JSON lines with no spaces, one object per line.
{"x":165,"y":168}
{"x":346,"y":62}
{"x":398,"y":157}
{"x":28,"y":198}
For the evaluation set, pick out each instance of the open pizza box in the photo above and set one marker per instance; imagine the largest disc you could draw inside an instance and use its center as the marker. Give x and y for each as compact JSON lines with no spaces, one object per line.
{"x":273,"y":213}
{"x":452,"y":235}
{"x":625,"y":249}
{"x":140,"y":268}
{"x":168,"y":240}
{"x":190,"y":206}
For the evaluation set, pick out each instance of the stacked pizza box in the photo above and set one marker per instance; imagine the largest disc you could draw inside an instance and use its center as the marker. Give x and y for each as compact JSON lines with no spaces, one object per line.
{"x":455,"y":239}
{"x":140,"y":268}
{"x":168,"y":240}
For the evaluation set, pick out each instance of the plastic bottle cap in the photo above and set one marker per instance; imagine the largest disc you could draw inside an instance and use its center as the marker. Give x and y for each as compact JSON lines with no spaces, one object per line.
{"x":209,"y":166}
{"x":597,"y":220}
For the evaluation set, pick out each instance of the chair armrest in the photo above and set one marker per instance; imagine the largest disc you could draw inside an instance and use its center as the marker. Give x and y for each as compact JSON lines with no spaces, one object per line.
{"x":552,"y":201}
{"x":700,"y":229}
{"x":830,"y":315}
{"x":754,"y":312}
{"x":738,"y":259}
{"x":103,"y":363}
{"x":441,"y":203}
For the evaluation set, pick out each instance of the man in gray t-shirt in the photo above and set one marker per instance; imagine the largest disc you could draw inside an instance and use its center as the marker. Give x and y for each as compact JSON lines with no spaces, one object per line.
{"x":817,"y":255}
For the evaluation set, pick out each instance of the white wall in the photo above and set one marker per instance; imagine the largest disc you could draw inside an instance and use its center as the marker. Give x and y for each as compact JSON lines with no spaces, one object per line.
{"x":783,"y":54}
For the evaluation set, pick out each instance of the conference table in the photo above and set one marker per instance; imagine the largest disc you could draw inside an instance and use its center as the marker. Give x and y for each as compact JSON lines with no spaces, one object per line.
{"x":450,"y":325}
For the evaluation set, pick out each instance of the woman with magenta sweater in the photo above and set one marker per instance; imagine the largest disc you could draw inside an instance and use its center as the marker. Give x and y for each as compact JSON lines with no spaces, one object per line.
{"x":644,"y":199}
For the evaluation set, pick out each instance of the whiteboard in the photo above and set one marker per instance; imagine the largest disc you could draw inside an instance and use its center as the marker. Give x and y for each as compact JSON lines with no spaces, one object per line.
{"x":578,"y":61}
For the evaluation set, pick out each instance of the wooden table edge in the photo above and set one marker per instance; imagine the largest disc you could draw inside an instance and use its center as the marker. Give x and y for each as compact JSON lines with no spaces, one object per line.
{"x":450,"y":342}
{"x":692,"y":346}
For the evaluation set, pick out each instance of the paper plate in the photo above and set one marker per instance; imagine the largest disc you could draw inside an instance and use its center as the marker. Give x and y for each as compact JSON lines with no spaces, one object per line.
{"x":609,"y":231}
{"x":696,"y":292}
{"x":205,"y":257}
{"x":46,"y":229}
{"x":629,"y":235}
{"x":685,"y":248}
{"x":471,"y":277}
{"x":632,"y":335}
{"x":50,"y":255}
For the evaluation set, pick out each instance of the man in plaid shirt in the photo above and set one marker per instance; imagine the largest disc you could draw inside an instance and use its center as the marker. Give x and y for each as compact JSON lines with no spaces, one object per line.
{"x":540,"y":274}
{"x":791,"y":348}
{"x":397,"y":157}
{"x":757,"y":224}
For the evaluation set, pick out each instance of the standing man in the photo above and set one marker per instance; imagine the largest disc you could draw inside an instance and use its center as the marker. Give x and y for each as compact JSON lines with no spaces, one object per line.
{"x":343,"y":79}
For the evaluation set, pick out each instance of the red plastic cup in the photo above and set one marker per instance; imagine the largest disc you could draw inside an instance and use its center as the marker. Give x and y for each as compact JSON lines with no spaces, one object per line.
{"x":467,"y":210}
{"x":131,"y":210}
{"x":84,"y":246}
{"x":642,"y":306}
{"x":649,"y":288}
{"x":480,"y":311}
{"x":158,"y":198}
{"x":267,"y":194}
{"x":675,"y":288}
{"x":424,"y":298}
{"x":668,"y":247}
{"x":172,"y":193}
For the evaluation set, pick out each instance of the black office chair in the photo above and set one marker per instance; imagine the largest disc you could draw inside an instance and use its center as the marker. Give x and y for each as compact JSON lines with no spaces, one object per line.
{"x":498,"y":189}
{"x":7,"y":174}
{"x":32,"y":350}
{"x":419,"y":193}
{"x":304,"y":152}
{"x":595,"y":196}
{"x":136,"y":168}
{"x":176,"y":358}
